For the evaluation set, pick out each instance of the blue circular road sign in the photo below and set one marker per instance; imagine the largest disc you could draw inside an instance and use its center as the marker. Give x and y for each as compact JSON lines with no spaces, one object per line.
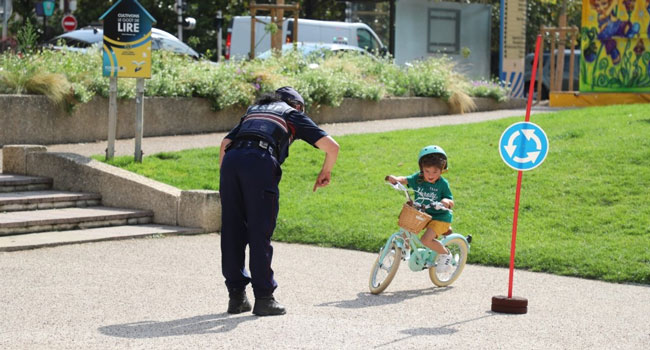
{"x":523,"y":146}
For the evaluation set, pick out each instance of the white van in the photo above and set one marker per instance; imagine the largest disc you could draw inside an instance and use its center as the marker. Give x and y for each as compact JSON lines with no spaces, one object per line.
{"x":238,"y":41}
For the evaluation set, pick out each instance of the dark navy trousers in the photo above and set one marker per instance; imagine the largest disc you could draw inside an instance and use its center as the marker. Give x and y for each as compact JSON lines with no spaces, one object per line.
{"x":249,"y":193}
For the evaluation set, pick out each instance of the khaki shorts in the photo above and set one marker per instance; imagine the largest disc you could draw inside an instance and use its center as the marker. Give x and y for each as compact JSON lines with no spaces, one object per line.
{"x":438,"y":227}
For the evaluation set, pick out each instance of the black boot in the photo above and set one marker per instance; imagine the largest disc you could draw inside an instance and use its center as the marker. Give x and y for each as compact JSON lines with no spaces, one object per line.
{"x":268,"y":306}
{"x":238,"y":302}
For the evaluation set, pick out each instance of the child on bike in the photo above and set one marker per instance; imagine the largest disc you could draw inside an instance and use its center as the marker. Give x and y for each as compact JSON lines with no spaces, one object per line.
{"x":429,"y":187}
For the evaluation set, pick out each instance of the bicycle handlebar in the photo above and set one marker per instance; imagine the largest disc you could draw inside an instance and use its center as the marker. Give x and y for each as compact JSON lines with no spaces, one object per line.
{"x":398,"y":186}
{"x":436,"y":205}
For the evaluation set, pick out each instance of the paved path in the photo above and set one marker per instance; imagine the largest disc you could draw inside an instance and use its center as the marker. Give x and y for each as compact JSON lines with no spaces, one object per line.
{"x":168,"y":293}
{"x":152,"y":145}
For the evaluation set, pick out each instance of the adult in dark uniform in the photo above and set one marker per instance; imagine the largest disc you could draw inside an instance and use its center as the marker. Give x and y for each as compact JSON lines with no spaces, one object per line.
{"x":251,"y":155}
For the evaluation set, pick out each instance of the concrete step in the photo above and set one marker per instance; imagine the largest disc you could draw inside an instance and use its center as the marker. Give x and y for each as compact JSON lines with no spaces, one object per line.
{"x":55,"y":238}
{"x":35,"y":200}
{"x":19,"y":222}
{"x":21,"y":183}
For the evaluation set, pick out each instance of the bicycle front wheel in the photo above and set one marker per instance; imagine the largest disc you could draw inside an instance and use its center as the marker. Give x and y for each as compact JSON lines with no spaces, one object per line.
{"x":458,"y":249}
{"x":383,"y":271}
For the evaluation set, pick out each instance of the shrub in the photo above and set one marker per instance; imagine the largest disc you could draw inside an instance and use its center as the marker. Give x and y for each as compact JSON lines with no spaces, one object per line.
{"x":69,"y":78}
{"x":492,"y":89}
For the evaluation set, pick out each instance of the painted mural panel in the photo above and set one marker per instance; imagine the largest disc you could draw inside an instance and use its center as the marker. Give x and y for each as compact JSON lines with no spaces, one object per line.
{"x":615,"y":46}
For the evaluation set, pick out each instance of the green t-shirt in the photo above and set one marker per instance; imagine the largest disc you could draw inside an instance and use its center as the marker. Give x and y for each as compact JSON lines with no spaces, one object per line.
{"x":426,"y":193}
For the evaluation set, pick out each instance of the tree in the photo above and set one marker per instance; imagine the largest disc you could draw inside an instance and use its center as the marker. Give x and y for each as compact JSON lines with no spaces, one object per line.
{"x":322,"y":9}
{"x":23,"y":13}
{"x":203,"y":38}
{"x":539,"y":13}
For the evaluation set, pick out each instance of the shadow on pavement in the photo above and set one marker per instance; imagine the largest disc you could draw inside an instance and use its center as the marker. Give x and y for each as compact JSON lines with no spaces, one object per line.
{"x":441,"y":330}
{"x":364,"y":300}
{"x":219,"y":323}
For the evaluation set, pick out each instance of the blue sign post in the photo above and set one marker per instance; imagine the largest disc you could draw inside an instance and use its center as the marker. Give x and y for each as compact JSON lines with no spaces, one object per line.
{"x":45,"y":9}
{"x":523,"y":146}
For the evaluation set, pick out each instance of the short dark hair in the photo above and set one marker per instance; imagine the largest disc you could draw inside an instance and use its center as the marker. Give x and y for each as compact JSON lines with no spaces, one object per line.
{"x":268,"y":98}
{"x":434,"y":159}
{"x":271,"y":97}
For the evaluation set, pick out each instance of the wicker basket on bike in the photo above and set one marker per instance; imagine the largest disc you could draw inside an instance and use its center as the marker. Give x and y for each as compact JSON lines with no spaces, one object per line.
{"x":412,"y":220}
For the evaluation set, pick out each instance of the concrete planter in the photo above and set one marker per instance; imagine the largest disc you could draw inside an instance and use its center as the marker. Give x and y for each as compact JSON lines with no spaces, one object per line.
{"x":33,"y":119}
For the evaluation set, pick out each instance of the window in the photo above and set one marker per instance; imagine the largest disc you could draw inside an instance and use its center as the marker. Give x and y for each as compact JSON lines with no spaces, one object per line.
{"x":366,"y":40}
{"x":444,"y":31}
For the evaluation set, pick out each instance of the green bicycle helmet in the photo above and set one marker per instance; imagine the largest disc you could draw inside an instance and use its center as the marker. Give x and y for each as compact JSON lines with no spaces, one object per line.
{"x":433,"y":149}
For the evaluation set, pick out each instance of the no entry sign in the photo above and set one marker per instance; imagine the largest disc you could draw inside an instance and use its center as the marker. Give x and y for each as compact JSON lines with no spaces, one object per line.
{"x":69,"y":23}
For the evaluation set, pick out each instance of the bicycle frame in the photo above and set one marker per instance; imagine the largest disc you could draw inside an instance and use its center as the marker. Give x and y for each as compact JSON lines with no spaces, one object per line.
{"x":421,"y":256}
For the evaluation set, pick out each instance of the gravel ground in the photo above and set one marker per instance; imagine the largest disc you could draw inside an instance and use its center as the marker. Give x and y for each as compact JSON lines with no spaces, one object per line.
{"x":168,"y":293}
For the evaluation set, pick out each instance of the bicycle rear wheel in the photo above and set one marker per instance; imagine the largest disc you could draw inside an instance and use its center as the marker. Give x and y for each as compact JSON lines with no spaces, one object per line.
{"x":458,"y":249}
{"x":383,"y":271}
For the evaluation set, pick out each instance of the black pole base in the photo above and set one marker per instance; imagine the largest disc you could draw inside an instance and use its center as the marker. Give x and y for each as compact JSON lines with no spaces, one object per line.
{"x":514,"y":305}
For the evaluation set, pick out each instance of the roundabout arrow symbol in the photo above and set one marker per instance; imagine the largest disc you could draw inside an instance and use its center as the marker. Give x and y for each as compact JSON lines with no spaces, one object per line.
{"x":510,"y":147}
{"x":532,"y":157}
{"x":530,"y":133}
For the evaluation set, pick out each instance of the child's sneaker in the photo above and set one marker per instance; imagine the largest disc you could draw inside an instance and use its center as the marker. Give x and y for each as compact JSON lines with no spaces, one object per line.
{"x":443,"y":263}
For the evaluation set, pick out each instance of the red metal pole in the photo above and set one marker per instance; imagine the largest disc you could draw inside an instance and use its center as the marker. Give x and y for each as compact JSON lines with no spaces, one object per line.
{"x":520,"y":173}
{"x":514,"y":234}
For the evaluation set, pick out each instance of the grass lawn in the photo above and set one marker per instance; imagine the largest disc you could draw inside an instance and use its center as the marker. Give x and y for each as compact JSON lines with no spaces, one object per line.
{"x":584,"y":212}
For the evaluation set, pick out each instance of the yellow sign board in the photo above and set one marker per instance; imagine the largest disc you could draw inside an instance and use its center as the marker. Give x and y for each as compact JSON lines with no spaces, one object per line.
{"x":127,"y":40}
{"x":131,"y":59}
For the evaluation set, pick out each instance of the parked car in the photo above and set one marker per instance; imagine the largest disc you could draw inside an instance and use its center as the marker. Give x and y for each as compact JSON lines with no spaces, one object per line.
{"x":82,"y":39}
{"x":238,"y":40}
{"x":546,"y":79}
{"x":315,"y":49}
